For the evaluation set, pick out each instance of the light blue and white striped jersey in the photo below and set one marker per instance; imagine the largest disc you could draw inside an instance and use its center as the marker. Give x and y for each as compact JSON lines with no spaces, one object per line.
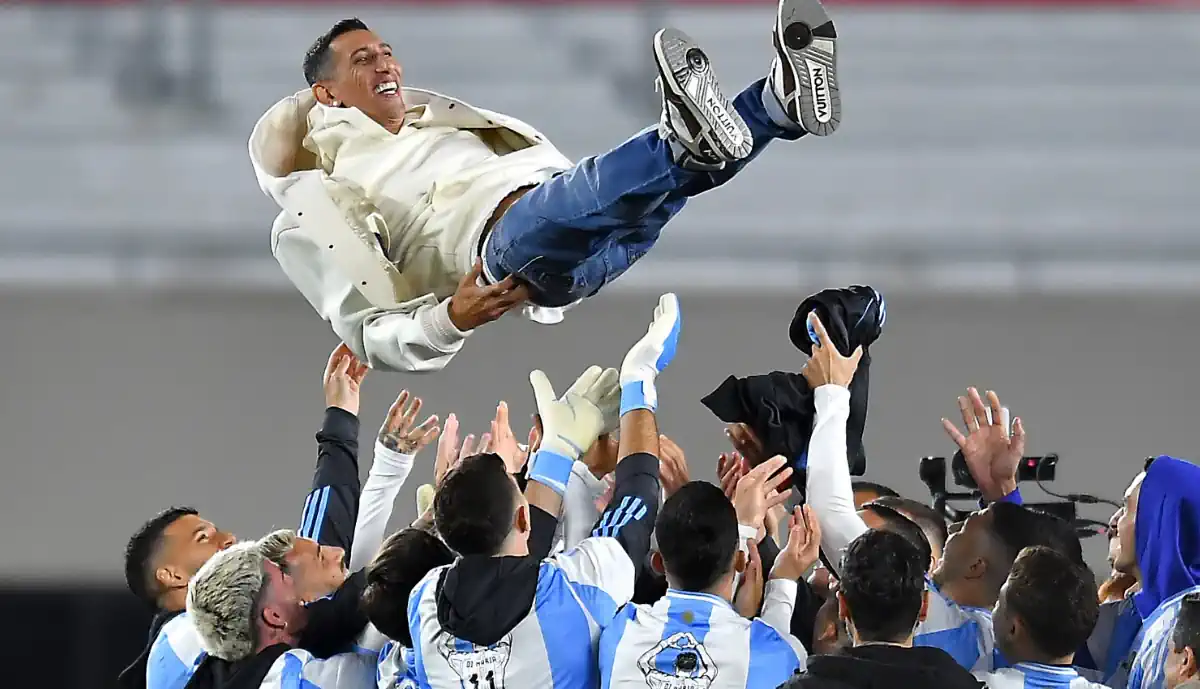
{"x":1036,"y":676}
{"x":1153,"y":643}
{"x":298,"y":669}
{"x":175,"y":654}
{"x":965,"y":633}
{"x":395,"y":668}
{"x":553,"y":647}
{"x":695,"y":641}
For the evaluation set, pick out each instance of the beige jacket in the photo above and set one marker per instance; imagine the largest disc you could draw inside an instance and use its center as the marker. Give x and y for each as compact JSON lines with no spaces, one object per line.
{"x":376,"y":254}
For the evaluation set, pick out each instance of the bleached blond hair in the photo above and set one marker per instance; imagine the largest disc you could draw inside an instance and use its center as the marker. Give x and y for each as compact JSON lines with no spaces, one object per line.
{"x":222,"y":600}
{"x":276,"y":545}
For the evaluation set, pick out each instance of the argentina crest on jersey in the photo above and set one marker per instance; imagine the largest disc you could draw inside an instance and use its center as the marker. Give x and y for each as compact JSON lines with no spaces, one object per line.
{"x":679,"y":661}
{"x":477,"y":667}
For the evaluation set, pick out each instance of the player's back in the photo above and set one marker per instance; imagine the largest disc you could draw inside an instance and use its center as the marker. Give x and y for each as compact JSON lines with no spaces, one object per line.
{"x":1024,"y":675}
{"x":688,"y":640}
{"x":963,"y":632}
{"x":516,"y":622}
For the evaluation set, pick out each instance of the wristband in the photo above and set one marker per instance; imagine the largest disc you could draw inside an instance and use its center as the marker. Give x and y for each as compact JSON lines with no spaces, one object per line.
{"x":746,"y":534}
{"x":551,"y":470}
{"x":1014,"y":497}
{"x":638,"y":394}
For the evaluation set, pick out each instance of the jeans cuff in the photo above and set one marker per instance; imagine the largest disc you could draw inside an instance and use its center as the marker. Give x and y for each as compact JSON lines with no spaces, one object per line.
{"x":488,"y":275}
{"x":778,"y":115}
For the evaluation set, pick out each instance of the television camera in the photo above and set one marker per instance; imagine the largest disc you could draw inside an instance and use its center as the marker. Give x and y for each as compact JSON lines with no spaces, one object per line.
{"x":934,"y":474}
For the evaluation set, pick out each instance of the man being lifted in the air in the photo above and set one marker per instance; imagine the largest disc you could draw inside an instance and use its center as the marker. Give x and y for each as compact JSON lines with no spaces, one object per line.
{"x":410,"y":218}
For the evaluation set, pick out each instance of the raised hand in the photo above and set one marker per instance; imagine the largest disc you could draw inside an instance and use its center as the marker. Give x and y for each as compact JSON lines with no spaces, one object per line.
{"x":673,"y":467}
{"x":749,"y":597}
{"x":991,"y":453}
{"x":803,"y":545}
{"x":759,"y":490}
{"x":450,"y":454}
{"x":398,"y":434}
{"x":570,"y":424}
{"x":343,"y":379}
{"x":731,"y":467}
{"x":827,"y":366}
{"x":602,"y":457}
{"x":649,"y":356}
{"x":746,"y":442}
{"x":505,"y":444}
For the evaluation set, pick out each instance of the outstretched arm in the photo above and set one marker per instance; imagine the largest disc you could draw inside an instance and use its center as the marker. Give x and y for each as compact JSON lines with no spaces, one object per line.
{"x":828,"y":487}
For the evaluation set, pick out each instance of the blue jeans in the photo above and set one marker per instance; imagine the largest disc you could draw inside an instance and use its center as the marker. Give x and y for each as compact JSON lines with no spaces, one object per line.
{"x":576,"y":232}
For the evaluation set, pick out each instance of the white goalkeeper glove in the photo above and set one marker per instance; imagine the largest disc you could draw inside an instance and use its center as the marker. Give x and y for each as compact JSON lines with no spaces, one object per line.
{"x":570,"y":424}
{"x":649,"y":356}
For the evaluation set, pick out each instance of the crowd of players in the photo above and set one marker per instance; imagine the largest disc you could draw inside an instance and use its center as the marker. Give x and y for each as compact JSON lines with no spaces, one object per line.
{"x":588,"y":557}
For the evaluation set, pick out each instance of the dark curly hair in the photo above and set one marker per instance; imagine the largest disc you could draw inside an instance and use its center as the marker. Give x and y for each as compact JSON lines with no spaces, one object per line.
{"x":1055,"y":599}
{"x":900,"y":524}
{"x":883,"y":584}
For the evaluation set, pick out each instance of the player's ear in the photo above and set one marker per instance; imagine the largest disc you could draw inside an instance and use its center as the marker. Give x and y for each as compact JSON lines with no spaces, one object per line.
{"x":657,"y":564}
{"x":169,"y":577}
{"x":521,"y":520}
{"x":324,"y":96}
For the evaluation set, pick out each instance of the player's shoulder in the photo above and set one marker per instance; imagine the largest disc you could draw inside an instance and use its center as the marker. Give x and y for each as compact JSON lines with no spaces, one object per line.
{"x":427,"y":586}
{"x":596,"y":552}
{"x":179,"y":636}
{"x":1007,"y":678}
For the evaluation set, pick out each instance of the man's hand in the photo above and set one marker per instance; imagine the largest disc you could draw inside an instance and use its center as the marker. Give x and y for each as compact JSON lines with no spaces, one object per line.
{"x":746,"y":442}
{"x":398,"y":434}
{"x":991,"y":454}
{"x":573,"y":422}
{"x":649,"y":356}
{"x":504,"y":442}
{"x":803,"y":545}
{"x":758,"y":491}
{"x":749,"y":597}
{"x":601,"y":458}
{"x":450,"y":454}
{"x":827,"y":366}
{"x":343,"y":379}
{"x":731,"y":467}
{"x":672,"y":466}
{"x":472,"y":305}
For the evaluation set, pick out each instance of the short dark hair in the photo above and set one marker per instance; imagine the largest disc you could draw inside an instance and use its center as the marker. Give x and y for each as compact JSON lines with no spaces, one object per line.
{"x":697,"y":533}
{"x":878,"y":489}
{"x":473,"y":509}
{"x":317,"y":59}
{"x":141,"y":550}
{"x":930,"y":520}
{"x":403,"y":560}
{"x":1016,"y":528}
{"x":900,"y":524}
{"x":1187,"y":626}
{"x":883,"y":583}
{"x":1054,"y":598}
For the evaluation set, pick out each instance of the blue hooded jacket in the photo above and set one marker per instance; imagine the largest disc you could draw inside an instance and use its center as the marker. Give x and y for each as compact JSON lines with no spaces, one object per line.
{"x":1167,"y":539}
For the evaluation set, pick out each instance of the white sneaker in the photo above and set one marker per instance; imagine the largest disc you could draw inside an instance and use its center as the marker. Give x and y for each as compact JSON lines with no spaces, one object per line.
{"x":804,"y":73}
{"x":696,"y":114}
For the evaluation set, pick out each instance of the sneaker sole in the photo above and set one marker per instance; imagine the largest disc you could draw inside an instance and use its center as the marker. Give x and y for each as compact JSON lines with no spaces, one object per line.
{"x":688,"y":80}
{"x":804,"y":37}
